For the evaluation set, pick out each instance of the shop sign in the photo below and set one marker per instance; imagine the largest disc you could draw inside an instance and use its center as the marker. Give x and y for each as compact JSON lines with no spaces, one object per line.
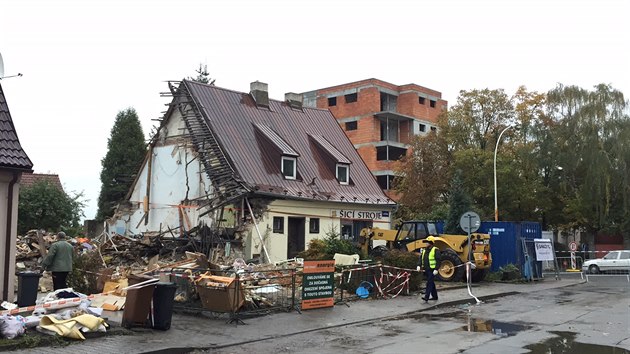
{"x":362,"y":214}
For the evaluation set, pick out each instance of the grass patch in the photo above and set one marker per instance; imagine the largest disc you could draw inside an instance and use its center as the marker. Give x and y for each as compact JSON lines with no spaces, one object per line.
{"x":34,"y":339}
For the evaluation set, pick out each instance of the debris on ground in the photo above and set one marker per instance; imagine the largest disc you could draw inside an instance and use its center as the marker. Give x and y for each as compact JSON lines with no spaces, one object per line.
{"x":206,"y":266}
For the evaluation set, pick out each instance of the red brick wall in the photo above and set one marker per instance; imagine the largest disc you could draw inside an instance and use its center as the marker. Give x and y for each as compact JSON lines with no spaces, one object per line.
{"x":369,"y":102}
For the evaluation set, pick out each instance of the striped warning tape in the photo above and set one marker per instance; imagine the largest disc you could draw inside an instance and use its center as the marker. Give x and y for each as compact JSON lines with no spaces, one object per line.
{"x":52,"y":304}
{"x":378,"y":266}
{"x":582,"y":251}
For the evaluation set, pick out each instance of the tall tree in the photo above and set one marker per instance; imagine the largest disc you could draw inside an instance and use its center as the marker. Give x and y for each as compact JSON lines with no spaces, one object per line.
{"x":589,"y":127}
{"x":458,"y":204}
{"x":126,"y":150}
{"x":477,"y":118}
{"x":44,"y":205}
{"x":203,"y":76}
{"x":423,"y":178}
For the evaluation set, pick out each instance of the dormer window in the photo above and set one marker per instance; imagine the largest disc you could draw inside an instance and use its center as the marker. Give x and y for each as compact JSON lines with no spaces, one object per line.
{"x":289,"y":167}
{"x":343,"y":173}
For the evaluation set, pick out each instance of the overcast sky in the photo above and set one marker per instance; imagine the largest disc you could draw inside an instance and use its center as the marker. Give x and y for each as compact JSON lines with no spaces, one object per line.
{"x":84,"y":61}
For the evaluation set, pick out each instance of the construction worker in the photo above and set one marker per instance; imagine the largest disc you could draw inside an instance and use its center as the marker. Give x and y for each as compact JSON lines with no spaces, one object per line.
{"x":430,"y":261}
{"x":59,"y":261}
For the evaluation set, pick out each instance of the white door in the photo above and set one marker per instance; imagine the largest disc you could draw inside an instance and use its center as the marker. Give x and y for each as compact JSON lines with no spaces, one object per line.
{"x":610,"y":261}
{"x":624,"y":261}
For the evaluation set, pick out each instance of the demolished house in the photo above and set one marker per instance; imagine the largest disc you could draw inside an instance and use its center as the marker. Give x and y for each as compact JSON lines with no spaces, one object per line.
{"x":257,"y":176}
{"x":13,"y":163}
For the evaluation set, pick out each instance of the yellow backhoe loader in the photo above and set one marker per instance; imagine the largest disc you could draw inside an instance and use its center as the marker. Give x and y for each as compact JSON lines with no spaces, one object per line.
{"x":455,"y":249}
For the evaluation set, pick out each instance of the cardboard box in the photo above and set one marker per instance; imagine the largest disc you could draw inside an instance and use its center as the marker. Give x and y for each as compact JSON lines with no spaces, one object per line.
{"x":220,"y":294}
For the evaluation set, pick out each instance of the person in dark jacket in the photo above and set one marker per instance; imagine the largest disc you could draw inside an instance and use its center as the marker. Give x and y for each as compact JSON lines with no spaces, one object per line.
{"x":59,"y":261}
{"x":430,"y":263}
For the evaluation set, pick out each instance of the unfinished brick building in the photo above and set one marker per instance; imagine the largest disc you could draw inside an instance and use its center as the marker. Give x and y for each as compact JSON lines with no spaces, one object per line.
{"x":380,"y":119}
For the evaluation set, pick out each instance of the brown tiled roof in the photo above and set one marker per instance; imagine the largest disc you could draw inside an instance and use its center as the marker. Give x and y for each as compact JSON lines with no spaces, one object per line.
{"x":234,"y":116}
{"x":11,"y":153}
{"x":28,"y":179}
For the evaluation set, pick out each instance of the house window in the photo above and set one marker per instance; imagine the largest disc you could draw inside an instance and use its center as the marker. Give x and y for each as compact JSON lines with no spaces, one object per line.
{"x":342,"y":174}
{"x":351,"y":97}
{"x":351,"y":125}
{"x":332,"y":101}
{"x":289,"y":167}
{"x":432,"y":103}
{"x":278,"y":224}
{"x":421,"y":100}
{"x":313,"y":226}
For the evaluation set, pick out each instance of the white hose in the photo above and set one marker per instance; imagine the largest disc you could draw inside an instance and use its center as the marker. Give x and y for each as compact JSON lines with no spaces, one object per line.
{"x":469,"y":280}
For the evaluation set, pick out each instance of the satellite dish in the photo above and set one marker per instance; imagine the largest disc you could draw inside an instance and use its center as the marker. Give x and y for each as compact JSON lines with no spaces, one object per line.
{"x":1,"y":67}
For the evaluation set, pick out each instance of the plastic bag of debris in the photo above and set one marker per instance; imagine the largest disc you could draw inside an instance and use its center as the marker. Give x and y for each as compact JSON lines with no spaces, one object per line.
{"x":11,"y":326}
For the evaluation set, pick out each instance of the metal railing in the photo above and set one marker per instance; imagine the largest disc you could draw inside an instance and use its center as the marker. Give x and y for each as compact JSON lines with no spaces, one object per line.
{"x":235,"y":293}
{"x":565,"y":264}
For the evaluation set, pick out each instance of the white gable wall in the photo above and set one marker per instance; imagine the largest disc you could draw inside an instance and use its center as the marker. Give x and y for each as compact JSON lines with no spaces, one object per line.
{"x":176,"y":175}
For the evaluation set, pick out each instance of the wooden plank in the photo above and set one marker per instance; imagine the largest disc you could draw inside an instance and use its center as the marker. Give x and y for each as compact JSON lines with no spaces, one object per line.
{"x":41,"y":244}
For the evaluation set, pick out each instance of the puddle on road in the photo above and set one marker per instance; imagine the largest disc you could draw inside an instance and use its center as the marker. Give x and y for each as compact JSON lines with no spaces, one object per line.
{"x":428,"y":316}
{"x":171,"y":351}
{"x":472,"y":324}
{"x":564,"y":343}
{"x":502,"y":329}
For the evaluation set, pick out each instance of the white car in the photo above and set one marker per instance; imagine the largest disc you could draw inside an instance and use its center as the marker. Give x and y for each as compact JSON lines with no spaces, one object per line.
{"x":614,"y":261}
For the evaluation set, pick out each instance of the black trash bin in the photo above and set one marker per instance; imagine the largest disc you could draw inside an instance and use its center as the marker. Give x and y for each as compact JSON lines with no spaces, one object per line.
{"x":28,"y":284}
{"x":163,"y":298}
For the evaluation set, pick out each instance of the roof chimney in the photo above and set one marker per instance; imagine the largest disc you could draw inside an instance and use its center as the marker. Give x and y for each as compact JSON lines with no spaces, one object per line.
{"x":294,"y":100}
{"x":260,"y":93}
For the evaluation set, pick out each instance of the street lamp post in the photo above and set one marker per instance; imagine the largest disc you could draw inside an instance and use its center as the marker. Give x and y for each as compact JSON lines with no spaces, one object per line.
{"x":496,"y":206}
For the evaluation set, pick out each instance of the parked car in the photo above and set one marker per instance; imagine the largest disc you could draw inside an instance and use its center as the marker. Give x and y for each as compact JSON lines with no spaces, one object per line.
{"x":614,"y":261}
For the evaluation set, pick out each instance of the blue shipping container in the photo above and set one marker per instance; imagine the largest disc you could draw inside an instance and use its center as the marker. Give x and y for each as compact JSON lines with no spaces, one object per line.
{"x":505,"y":240}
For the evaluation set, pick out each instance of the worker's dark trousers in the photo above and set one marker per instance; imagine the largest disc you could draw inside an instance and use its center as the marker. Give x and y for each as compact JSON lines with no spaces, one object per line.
{"x":431,"y":291}
{"x":59,"y":280}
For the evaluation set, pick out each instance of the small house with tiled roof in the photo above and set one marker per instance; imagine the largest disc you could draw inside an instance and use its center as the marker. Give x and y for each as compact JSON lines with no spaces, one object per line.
{"x":29,"y":179}
{"x":277,"y":173}
{"x":13,"y":163}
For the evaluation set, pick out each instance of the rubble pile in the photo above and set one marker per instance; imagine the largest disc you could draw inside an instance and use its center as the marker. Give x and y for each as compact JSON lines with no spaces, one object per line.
{"x":204,"y":279}
{"x":28,"y":246}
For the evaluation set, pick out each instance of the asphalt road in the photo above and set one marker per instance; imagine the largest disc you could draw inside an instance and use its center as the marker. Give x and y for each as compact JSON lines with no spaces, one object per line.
{"x":593,"y":317}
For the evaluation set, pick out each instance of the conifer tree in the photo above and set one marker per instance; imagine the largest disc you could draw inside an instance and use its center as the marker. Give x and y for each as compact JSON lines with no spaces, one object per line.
{"x":126,"y":150}
{"x":458,"y":203}
{"x":203,"y":76}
